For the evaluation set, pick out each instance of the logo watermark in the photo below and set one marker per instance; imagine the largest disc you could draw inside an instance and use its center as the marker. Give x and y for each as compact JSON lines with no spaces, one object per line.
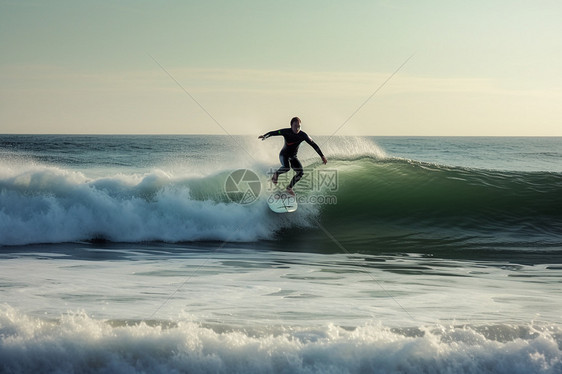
{"x":242,"y":186}
{"x":317,"y":187}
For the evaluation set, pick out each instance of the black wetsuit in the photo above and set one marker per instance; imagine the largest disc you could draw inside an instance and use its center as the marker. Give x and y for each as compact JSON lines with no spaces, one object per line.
{"x":288,"y":155}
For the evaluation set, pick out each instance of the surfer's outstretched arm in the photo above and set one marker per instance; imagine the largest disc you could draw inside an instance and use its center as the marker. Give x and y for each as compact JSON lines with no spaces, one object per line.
{"x":313,"y":144}
{"x":268,"y":134}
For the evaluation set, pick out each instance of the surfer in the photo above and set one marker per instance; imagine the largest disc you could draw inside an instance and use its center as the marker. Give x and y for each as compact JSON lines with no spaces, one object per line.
{"x":288,"y":156}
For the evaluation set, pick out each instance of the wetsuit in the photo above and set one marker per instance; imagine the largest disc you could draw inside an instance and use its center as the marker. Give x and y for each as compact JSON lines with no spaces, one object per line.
{"x":288,"y":155}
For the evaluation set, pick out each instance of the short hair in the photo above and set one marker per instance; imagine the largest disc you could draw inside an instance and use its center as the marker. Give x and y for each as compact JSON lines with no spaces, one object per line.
{"x":295,"y":119}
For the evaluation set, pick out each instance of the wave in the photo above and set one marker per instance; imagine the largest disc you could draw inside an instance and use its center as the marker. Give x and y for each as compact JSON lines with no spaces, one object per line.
{"x":370,"y":200}
{"x":78,"y":343}
{"x":417,"y":193}
{"x":389,"y":205}
{"x":45,"y":204}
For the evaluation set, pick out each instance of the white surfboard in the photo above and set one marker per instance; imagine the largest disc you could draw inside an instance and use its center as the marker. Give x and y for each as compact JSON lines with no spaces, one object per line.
{"x":282,"y":202}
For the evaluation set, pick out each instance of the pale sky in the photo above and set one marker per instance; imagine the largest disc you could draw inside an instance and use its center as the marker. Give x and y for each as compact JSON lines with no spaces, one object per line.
{"x":490,"y":68}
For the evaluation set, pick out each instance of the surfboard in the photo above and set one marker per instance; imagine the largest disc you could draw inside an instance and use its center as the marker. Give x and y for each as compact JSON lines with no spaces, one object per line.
{"x":282,"y":202}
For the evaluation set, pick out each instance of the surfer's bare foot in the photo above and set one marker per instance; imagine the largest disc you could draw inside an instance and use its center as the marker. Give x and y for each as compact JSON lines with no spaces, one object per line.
{"x":290,"y":191}
{"x":274,"y":178}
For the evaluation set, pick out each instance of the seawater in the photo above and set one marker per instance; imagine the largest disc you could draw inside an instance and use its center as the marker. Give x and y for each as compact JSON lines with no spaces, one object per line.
{"x":125,"y":254}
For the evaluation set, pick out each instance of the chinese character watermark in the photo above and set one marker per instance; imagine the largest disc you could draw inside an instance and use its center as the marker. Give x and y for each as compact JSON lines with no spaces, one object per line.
{"x":318,"y":181}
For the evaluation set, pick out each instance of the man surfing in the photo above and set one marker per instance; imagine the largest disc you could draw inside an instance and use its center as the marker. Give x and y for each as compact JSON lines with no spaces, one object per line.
{"x":288,"y":156}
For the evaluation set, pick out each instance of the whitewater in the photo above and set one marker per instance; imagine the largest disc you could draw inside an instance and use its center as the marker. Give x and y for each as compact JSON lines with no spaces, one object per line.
{"x":131,"y":254}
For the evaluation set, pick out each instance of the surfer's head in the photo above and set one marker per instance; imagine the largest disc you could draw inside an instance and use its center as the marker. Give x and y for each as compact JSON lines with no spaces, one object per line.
{"x":296,"y":125}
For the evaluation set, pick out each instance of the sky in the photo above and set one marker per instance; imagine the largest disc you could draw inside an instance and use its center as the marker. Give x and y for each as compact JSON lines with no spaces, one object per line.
{"x":373,"y":67}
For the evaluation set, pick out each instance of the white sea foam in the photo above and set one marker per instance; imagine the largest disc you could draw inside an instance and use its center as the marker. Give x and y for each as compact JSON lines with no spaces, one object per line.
{"x":46,"y":204}
{"x":79,"y":343}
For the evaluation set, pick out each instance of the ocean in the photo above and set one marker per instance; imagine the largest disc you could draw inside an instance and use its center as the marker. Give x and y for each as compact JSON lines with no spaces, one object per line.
{"x":159,"y":254}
